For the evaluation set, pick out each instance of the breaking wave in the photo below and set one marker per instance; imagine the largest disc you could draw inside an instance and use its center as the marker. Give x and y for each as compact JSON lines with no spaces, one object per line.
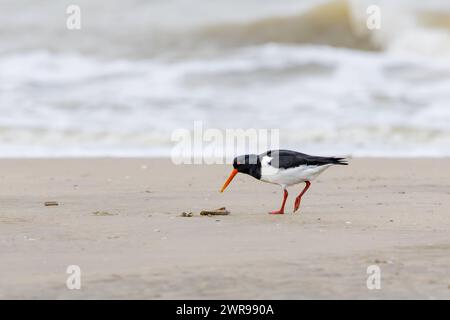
{"x":315,"y":72}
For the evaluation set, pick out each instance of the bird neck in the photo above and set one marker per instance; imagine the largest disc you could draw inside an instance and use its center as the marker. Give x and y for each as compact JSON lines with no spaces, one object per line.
{"x":255,"y":171}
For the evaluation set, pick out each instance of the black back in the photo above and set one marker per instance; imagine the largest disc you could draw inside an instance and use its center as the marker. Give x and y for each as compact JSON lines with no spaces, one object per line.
{"x":290,"y":159}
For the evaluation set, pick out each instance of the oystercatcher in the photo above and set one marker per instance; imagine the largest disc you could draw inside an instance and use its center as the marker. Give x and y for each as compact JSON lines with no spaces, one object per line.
{"x":285,"y":168}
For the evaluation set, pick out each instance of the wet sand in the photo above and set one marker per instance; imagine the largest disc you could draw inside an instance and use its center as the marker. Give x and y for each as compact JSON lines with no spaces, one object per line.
{"x":391,"y":213}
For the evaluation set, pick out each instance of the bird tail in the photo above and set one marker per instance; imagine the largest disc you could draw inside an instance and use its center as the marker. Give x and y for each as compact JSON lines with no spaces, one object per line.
{"x":340,"y":160}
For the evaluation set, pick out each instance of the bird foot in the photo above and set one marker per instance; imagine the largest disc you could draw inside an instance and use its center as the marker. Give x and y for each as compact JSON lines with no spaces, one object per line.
{"x":277,"y":212}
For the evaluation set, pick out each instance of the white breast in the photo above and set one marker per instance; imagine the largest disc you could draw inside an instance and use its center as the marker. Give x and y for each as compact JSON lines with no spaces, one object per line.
{"x":291,"y":176}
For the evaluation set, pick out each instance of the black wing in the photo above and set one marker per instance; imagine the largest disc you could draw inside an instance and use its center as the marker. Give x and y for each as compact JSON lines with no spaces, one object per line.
{"x":290,"y":159}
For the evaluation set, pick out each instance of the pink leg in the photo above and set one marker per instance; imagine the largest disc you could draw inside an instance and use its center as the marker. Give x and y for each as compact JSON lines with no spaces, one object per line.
{"x":299,"y":198}
{"x":281,"y":211}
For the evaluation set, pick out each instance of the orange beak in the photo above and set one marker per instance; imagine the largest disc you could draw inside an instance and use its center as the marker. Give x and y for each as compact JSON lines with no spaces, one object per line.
{"x":233,"y":173}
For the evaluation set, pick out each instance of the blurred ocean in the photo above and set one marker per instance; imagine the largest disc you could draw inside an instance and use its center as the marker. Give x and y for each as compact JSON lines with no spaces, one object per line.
{"x":139,"y":69}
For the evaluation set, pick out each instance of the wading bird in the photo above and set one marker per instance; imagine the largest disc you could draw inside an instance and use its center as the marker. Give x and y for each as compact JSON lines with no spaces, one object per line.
{"x":285,"y":168}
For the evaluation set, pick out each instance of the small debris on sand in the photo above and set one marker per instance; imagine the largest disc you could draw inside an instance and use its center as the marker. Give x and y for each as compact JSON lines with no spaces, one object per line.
{"x":187,"y":214}
{"x":217,"y":212}
{"x":103,"y":213}
{"x":382,"y":261}
{"x":51,"y":203}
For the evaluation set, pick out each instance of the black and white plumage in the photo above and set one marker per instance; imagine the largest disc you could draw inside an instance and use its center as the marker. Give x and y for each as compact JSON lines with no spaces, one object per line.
{"x":285,"y":168}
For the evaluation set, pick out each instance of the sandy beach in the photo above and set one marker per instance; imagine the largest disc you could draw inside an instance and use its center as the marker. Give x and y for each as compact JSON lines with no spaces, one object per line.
{"x":385,"y":212}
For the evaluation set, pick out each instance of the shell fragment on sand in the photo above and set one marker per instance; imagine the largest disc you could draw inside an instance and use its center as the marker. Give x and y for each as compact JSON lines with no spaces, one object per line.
{"x":187,"y":214}
{"x":217,"y":212}
{"x":103,"y":213}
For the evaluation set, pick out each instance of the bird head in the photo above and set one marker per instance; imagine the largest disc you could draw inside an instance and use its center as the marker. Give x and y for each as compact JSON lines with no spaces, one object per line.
{"x":248,"y":164}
